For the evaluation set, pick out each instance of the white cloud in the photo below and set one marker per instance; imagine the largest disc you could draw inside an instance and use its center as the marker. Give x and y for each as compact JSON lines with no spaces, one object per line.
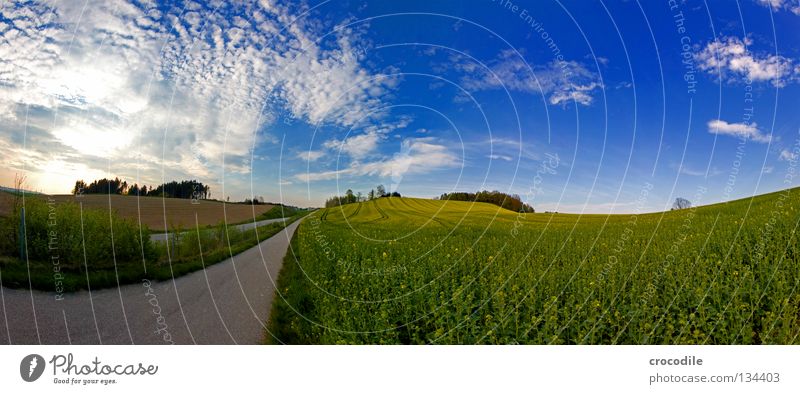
{"x":503,"y":148}
{"x":772,"y":3}
{"x":89,"y":140}
{"x":741,"y":130}
{"x":322,"y":175}
{"x":152,"y":88}
{"x":416,"y":156}
{"x":731,"y":58}
{"x":561,"y":82}
{"x":685,"y":170}
{"x":330,"y":85}
{"x":777,"y":5}
{"x":420,"y":155}
{"x":787,"y":155}
{"x":311,"y":155}
{"x":357,"y":147}
{"x":500,"y":157}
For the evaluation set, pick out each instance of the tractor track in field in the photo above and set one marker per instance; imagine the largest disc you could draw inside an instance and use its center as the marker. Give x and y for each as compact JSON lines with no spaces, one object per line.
{"x":434,"y":218}
{"x":383,"y":214}
{"x":358,"y":209}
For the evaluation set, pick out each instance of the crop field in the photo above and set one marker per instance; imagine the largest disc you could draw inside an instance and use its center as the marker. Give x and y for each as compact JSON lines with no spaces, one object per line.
{"x":160,"y":214}
{"x":402,"y":270}
{"x":6,"y":203}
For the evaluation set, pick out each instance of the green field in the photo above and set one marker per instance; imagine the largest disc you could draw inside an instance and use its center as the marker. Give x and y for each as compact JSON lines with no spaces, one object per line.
{"x":403,"y":270}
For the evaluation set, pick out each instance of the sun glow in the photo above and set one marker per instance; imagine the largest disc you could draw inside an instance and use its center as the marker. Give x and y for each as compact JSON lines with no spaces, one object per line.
{"x":87,"y":139}
{"x":58,"y":176}
{"x":90,"y":86}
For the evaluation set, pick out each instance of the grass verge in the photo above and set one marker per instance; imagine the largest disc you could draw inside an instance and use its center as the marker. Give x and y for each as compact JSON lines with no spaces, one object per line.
{"x":286,"y":324}
{"x":282,"y":211}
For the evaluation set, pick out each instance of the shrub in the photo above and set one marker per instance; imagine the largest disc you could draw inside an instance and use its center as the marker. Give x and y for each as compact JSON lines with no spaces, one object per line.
{"x":93,"y":238}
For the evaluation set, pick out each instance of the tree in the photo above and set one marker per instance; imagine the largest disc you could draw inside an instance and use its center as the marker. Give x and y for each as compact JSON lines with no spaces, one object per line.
{"x":350,"y":197}
{"x":681,"y":203}
{"x":101,"y":186}
{"x":80,"y":187}
{"x":510,"y":202}
{"x":183,"y":189}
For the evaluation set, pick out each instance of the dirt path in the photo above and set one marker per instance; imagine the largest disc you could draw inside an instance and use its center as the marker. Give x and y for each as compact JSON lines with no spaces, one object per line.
{"x":227,"y":303}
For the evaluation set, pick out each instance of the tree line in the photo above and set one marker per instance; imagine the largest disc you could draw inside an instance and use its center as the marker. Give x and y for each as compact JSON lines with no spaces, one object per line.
{"x":350,"y":197}
{"x":174,"y":189}
{"x":511,"y":202}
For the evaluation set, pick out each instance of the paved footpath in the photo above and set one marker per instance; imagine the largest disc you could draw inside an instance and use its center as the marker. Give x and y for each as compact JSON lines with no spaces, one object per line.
{"x":227,"y":303}
{"x":162,"y":237}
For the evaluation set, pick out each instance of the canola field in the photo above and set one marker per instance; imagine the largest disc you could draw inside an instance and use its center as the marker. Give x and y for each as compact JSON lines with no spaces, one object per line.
{"x":415,"y":271}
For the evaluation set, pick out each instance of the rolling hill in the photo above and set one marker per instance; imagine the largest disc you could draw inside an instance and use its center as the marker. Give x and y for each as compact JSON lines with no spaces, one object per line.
{"x":401,"y":270}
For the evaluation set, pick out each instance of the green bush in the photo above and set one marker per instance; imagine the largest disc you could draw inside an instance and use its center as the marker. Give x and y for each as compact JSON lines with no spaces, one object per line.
{"x":8,"y":237}
{"x":281,"y":211}
{"x":64,"y":232}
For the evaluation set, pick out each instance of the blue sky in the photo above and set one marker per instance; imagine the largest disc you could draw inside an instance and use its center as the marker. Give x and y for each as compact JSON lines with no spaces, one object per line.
{"x":589,"y":107}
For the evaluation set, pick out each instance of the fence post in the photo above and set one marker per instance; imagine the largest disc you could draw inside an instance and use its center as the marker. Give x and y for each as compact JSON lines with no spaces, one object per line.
{"x":22,"y":234}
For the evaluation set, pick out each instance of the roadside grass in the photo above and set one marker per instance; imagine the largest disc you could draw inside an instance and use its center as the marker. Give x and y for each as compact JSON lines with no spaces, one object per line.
{"x":70,"y":250}
{"x":286,"y":324}
{"x":281,"y":211}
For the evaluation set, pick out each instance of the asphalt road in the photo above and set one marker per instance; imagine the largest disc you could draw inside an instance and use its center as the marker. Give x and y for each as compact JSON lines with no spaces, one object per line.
{"x":162,"y":237}
{"x":227,"y":303}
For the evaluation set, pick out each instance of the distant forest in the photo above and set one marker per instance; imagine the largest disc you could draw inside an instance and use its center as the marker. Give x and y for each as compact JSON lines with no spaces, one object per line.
{"x":173,"y":189}
{"x":349,"y":197}
{"x":503,"y":200}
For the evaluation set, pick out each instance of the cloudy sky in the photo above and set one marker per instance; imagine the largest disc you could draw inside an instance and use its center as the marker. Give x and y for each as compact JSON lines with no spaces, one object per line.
{"x":577,"y":107}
